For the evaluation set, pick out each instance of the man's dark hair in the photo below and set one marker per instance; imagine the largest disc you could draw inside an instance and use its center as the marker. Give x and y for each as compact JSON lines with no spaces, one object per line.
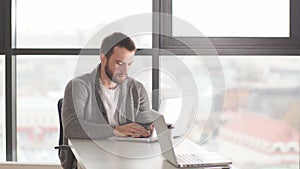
{"x":116,"y":39}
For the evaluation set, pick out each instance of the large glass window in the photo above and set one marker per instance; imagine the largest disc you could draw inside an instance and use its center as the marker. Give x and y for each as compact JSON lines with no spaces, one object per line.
{"x":2,"y":110}
{"x":40,"y":84}
{"x":260,"y":122}
{"x":233,"y":27}
{"x":70,"y":24}
{"x":259,"y":126}
{"x":234,"y":18}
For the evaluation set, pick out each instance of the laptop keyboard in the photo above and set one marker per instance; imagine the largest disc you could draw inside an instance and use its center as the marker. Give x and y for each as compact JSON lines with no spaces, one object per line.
{"x":189,"y":159}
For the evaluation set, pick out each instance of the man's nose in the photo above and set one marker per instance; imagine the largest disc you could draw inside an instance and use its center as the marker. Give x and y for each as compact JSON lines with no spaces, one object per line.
{"x":124,"y":68}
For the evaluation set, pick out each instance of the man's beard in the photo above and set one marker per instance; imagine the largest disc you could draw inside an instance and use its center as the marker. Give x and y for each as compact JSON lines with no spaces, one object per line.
{"x":110,"y":75}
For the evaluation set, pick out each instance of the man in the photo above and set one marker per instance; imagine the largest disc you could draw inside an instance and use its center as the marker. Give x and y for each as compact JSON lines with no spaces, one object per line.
{"x":106,"y":102}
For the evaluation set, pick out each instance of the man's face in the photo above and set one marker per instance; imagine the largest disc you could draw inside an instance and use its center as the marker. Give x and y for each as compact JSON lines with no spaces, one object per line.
{"x":117,"y":66}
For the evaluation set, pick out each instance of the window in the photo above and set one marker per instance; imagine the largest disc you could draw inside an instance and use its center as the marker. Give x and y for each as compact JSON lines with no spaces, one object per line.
{"x":226,"y":24}
{"x":2,"y":112}
{"x":186,"y":76}
{"x":183,"y":75}
{"x":70,"y":24}
{"x":233,"y":18}
{"x":262,"y":96}
{"x":41,"y":82}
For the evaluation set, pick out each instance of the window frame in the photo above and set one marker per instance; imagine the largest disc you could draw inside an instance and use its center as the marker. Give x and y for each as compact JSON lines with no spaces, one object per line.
{"x":2,"y":23}
{"x":10,"y":84}
{"x":233,"y":45}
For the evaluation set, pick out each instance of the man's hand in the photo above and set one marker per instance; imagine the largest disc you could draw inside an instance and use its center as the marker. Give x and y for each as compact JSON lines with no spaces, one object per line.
{"x":131,"y":129}
{"x":151,"y":128}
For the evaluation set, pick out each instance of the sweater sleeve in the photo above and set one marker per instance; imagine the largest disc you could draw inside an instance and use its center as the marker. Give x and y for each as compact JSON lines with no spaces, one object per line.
{"x":144,"y":105}
{"x":74,"y":124}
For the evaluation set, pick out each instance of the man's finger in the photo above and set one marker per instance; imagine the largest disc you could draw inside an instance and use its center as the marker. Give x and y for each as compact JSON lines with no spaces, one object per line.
{"x":139,"y":129}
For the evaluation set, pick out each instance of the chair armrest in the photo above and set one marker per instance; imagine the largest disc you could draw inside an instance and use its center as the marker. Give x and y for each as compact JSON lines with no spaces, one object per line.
{"x":62,"y":147}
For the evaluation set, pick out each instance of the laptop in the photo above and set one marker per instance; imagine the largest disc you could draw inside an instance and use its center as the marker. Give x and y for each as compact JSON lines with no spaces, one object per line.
{"x":177,"y":111}
{"x":184,"y":159}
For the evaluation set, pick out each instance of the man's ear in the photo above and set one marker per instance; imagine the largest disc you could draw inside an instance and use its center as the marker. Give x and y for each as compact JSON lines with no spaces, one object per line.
{"x":103,"y":58}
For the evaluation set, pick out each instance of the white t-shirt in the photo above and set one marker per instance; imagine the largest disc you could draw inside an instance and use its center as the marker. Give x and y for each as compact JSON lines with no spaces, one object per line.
{"x":110,"y":99}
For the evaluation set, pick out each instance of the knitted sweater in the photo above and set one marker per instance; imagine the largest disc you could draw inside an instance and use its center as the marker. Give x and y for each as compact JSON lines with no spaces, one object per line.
{"x":84,"y":115}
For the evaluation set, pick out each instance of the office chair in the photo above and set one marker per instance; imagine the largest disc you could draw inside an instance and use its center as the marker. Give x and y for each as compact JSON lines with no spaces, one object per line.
{"x":61,"y":146}
{"x":60,"y":141}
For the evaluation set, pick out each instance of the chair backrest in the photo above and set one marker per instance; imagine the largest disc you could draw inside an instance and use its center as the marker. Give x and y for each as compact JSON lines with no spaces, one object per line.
{"x":59,"y":107}
{"x":67,"y":155}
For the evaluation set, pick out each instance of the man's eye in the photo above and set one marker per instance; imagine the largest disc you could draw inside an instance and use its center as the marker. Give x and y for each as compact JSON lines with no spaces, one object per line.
{"x":120,"y":63}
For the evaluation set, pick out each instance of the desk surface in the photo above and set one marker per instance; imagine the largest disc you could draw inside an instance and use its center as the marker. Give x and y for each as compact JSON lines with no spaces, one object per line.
{"x":105,"y":153}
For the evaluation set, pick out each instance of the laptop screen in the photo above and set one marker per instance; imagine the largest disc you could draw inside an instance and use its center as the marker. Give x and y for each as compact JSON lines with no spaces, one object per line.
{"x":170,"y":109}
{"x":178,"y":111}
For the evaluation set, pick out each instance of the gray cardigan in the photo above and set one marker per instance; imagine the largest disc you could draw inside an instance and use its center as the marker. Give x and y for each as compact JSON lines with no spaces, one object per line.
{"x":84,"y":115}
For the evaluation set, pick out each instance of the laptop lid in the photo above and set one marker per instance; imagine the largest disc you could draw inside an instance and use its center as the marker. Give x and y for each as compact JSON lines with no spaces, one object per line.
{"x":178,"y":112}
{"x":164,"y":136}
{"x":166,"y":145}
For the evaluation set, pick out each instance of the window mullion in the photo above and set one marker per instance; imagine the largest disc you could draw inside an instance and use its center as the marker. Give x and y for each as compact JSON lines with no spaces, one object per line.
{"x":10,"y":87}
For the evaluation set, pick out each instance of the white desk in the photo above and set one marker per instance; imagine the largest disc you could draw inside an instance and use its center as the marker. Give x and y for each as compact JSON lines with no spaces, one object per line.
{"x":109,"y":154}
